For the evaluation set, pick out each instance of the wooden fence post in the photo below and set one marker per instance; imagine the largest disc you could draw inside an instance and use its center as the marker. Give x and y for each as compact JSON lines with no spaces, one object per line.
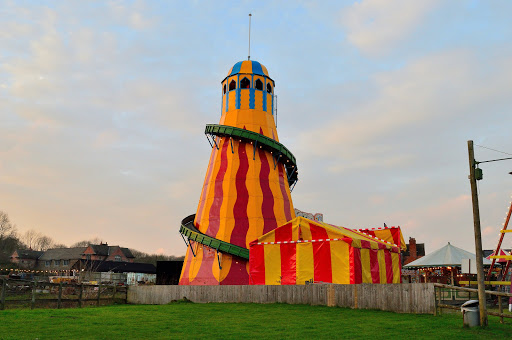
{"x":355,"y":297}
{"x":439,"y":300}
{"x":59,"y":301}
{"x":33,"y":301}
{"x":2,"y":300}
{"x":99,"y":293}
{"x":435,"y":300}
{"x":80,"y":295}
{"x":500,"y":308}
{"x":114,"y":294}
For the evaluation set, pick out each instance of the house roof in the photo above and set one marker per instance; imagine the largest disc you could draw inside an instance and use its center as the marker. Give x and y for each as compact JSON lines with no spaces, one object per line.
{"x":128,"y":253}
{"x":29,"y":254}
{"x":119,"y":267}
{"x":448,"y":255}
{"x":63,"y":254}
{"x":106,"y":250}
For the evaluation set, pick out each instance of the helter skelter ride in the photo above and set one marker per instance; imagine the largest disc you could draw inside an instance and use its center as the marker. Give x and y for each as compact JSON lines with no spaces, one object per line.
{"x":246,"y":191}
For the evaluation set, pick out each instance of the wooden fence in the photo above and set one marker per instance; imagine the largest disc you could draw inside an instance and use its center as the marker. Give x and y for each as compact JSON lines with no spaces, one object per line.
{"x":33,"y":294}
{"x":402,"y":298}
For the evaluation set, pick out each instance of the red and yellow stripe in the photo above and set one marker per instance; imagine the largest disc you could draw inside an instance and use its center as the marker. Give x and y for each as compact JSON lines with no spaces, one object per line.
{"x":306,"y":251}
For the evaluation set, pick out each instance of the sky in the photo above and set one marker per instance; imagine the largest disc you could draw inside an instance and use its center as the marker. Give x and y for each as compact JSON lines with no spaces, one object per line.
{"x":103,"y":106}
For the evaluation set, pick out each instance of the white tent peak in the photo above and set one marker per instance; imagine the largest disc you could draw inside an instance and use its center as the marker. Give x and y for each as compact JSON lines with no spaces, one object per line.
{"x":449,"y":255}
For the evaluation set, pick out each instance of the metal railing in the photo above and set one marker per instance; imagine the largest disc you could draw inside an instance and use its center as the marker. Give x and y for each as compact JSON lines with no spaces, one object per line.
{"x":455,"y":294}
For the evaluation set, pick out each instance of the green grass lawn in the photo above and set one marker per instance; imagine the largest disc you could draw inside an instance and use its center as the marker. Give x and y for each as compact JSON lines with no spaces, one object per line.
{"x":236,"y":321}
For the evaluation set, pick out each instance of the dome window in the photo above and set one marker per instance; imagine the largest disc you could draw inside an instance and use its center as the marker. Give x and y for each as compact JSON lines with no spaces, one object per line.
{"x":269,"y":88}
{"x":258,"y":85}
{"x":245,"y":83}
{"x":232,"y":85}
{"x":224,"y":88}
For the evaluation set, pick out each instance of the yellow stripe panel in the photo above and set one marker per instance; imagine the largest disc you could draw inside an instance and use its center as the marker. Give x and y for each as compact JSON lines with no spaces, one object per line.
{"x":246,"y":67}
{"x":395,"y":259}
{"x":229,"y":194}
{"x":255,"y":197}
{"x":264,"y":69}
{"x":305,"y":263}
{"x":382,"y":265}
{"x":365,"y":266}
{"x":340,"y":262}
{"x":195,"y":264}
{"x":305,"y":231}
{"x":272,"y":253}
{"x":244,"y":99}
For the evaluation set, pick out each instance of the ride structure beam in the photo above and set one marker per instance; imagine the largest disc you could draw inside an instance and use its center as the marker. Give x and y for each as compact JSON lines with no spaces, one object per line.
{"x":498,"y":248}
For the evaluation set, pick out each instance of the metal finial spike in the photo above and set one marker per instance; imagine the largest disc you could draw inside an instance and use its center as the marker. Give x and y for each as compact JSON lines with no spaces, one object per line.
{"x":249,"y":54}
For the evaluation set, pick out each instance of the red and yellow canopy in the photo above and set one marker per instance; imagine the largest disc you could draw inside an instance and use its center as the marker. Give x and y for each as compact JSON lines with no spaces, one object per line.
{"x":303,"y":251}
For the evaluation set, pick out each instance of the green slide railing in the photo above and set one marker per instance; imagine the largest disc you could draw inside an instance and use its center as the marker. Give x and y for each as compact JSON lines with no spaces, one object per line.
{"x":278,"y":150}
{"x":189,"y":231}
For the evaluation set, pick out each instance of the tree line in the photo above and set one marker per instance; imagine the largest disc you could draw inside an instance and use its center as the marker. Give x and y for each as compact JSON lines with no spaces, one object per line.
{"x":11,"y":239}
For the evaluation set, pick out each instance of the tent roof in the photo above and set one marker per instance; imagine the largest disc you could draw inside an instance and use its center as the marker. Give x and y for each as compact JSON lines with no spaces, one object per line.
{"x":448,"y":255}
{"x":498,"y":260}
{"x":301,"y":229}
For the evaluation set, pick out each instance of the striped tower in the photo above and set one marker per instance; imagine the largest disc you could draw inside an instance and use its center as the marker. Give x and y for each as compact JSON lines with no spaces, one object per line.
{"x":246,"y":191}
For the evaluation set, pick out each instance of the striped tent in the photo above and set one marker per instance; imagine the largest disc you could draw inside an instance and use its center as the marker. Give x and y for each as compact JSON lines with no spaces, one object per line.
{"x":388,"y":234}
{"x":303,"y":251}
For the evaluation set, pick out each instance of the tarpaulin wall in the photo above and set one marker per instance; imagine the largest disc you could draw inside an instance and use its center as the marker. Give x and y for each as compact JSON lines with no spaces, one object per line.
{"x":304,"y":251}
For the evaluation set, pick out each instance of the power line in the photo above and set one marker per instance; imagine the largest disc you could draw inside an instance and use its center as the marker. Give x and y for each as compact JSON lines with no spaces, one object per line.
{"x":485,"y":147}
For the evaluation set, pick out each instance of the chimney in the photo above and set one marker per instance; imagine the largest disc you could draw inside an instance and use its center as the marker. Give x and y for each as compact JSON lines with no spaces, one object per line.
{"x":413,"y":254}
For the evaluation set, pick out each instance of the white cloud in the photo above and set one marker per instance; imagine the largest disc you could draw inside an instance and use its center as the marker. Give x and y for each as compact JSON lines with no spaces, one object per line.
{"x":377,"y":26}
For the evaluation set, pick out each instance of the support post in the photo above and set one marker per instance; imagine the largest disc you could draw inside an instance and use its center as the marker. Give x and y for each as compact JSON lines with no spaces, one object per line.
{"x":2,"y":300}
{"x":114,"y":293}
{"x":80,"y":294}
{"x":99,"y":293}
{"x":435,"y":300}
{"x":500,"y":308}
{"x":478,"y":236}
{"x":33,"y":301}
{"x":59,"y":299}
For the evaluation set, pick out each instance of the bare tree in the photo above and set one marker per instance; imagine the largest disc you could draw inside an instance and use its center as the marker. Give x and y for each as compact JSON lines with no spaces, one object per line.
{"x":44,"y":243}
{"x":30,"y":237}
{"x":85,"y":243}
{"x":7,"y":229}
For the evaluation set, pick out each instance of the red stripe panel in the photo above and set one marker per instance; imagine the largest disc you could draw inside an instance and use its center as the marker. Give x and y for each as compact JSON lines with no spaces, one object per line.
{"x":257,"y":265}
{"x":267,"y":206}
{"x":366,"y":244}
{"x":321,"y":254}
{"x":395,"y":232}
{"x":288,"y":263}
{"x":389,"y":266}
{"x":374,"y":266}
{"x":205,"y":189}
{"x":382,"y":246}
{"x":356,"y":276}
{"x":214,"y":215}
{"x":282,"y":185}
{"x":284,"y":233}
{"x":238,"y":236}
{"x":237,"y":273}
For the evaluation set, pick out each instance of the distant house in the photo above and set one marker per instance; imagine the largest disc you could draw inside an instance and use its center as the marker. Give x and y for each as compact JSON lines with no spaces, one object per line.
{"x":414,"y":251}
{"x":60,"y":259}
{"x":26,"y":258}
{"x":93,"y":258}
{"x":104,"y":252}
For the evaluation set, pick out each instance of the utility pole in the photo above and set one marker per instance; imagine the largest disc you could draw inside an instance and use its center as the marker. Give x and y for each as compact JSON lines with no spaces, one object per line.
{"x":478,"y":236}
